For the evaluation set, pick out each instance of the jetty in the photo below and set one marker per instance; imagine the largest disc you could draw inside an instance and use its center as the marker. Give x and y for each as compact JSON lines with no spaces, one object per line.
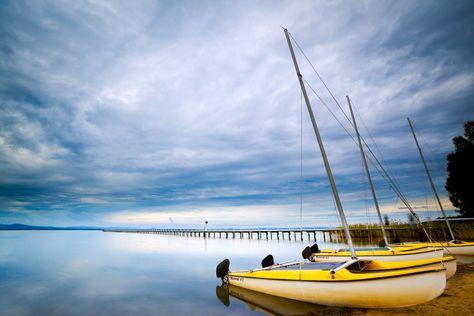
{"x":437,"y":229}
{"x":278,"y":234}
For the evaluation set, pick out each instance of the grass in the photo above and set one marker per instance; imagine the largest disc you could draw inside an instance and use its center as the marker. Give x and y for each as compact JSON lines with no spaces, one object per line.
{"x":463,"y":230}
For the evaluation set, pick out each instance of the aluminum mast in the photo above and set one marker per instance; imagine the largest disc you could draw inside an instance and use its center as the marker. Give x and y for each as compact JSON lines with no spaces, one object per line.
{"x":323,"y":152}
{"x":369,"y":178}
{"x":431,"y":180}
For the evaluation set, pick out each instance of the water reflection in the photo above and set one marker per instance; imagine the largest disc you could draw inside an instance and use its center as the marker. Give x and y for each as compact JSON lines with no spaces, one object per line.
{"x":273,"y":305}
{"x":87,"y":273}
{"x":222,"y":293}
{"x":90,"y":273}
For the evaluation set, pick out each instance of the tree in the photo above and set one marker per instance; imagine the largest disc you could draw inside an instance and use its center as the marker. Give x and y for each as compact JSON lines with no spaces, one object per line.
{"x":460,"y":181}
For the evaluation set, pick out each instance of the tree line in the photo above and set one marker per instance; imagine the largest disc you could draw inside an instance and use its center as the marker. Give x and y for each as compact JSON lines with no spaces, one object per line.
{"x":459,"y":183}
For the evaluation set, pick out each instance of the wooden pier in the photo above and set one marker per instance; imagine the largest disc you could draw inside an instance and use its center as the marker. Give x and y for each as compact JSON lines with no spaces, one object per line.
{"x":463,"y":229}
{"x":284,"y":234}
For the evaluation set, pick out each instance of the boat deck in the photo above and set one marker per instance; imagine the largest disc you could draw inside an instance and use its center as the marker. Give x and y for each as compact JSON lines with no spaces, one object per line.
{"x":310,"y":266}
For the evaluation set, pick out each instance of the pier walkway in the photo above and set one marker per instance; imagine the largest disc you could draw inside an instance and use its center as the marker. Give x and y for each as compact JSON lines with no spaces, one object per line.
{"x":463,"y":229}
{"x":278,"y":234}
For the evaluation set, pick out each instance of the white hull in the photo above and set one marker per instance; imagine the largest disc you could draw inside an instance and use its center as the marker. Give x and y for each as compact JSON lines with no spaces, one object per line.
{"x":398,"y":291}
{"x":451,"y":268}
{"x":463,"y":250}
{"x":461,"y":259}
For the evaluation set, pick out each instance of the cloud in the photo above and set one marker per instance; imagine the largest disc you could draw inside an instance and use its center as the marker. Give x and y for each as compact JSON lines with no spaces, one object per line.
{"x":92,"y":200}
{"x":154,"y":105}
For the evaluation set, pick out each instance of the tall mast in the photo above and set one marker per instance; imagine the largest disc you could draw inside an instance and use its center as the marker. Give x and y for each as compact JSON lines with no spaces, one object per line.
{"x":321,"y":148}
{"x":369,"y":178}
{"x":431,"y":180}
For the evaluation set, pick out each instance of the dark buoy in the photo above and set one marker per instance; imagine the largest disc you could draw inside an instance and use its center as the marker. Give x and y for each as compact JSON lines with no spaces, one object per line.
{"x":314,"y":248}
{"x":396,"y":240}
{"x":382,"y":244}
{"x":222,"y":269}
{"x":306,"y":253}
{"x":267,"y":261}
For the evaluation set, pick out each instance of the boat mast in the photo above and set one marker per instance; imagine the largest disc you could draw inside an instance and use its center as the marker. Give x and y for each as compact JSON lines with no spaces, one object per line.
{"x":369,"y":178}
{"x":431,"y":180}
{"x":321,"y":148}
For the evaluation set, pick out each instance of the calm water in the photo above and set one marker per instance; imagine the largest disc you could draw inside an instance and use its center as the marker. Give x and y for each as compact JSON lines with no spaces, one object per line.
{"x":91,"y":272}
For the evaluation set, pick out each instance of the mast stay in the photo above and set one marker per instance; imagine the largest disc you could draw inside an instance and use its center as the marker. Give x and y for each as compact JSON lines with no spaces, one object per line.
{"x":383,"y":171}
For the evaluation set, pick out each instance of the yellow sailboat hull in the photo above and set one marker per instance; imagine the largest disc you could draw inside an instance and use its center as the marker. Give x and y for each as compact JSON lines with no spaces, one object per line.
{"x":411,"y":257}
{"x":448,"y":262}
{"x":386,"y":288}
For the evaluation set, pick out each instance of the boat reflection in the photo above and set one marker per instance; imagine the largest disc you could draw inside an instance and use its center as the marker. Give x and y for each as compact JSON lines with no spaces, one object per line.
{"x":273,"y":305}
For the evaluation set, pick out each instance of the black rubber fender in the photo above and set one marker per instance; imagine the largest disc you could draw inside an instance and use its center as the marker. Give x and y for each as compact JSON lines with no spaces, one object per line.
{"x":306,"y":253}
{"x":314,"y":248}
{"x":268,"y":261}
{"x":222,"y":268}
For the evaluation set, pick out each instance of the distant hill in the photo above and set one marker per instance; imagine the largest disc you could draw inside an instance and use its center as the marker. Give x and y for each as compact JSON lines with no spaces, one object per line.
{"x":29,"y":227}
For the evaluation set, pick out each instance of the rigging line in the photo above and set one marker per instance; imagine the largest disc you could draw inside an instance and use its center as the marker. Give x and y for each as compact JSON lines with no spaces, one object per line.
{"x":320,"y":78}
{"x":388,"y":177}
{"x":379,"y":167}
{"x":337,"y":215}
{"x":368,"y":132}
{"x":301,"y":162}
{"x":366,"y":205}
{"x":332,"y":95}
{"x":438,"y":207}
{"x":370,"y":150}
{"x":431,"y":156}
{"x":405,"y":201}
{"x":375,"y":144}
{"x":365,"y":143}
{"x":438,"y":168}
{"x":426,"y":166}
{"x":353,"y":139}
{"x":428,"y":209}
{"x":340,"y":123}
{"x":329,"y":109}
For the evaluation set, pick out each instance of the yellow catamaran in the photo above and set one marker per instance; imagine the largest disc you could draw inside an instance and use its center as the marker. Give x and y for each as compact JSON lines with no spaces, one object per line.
{"x":350,"y":283}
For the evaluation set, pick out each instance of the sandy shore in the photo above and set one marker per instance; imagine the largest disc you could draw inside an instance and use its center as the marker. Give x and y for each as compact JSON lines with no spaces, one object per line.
{"x":458,"y":299}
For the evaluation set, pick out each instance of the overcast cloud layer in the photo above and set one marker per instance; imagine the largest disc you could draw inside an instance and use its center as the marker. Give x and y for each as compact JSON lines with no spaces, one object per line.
{"x":146,"y":113}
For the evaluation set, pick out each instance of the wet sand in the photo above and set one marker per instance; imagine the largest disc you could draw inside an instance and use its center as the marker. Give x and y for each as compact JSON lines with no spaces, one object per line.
{"x":458,"y":299}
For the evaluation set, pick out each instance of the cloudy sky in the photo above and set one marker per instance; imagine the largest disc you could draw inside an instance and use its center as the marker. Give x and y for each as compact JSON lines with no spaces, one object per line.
{"x":146,"y":113}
